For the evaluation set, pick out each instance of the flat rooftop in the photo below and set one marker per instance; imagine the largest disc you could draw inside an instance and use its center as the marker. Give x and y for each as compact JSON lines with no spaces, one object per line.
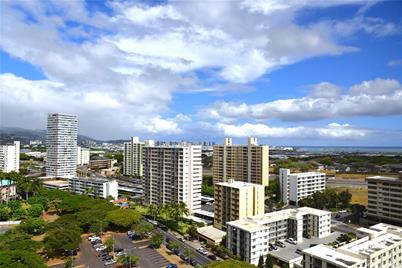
{"x":56,"y":183}
{"x":239,"y":184}
{"x":211,"y":232}
{"x":384,"y":178}
{"x":257,"y":223}
{"x":368,"y":247}
{"x":334,"y":256}
{"x":93,"y":179}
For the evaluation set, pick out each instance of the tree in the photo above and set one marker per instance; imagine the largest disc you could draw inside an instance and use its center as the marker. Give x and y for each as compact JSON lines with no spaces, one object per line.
{"x":69,"y":263}
{"x":142,"y":227}
{"x":20,"y":258}
{"x":153,"y":211}
{"x":156,"y":240}
{"x":58,"y":241}
{"x":123,"y":219}
{"x":34,"y":226}
{"x":35,"y":210}
{"x":54,"y":206}
{"x":14,"y":205}
{"x":188,"y":253}
{"x":357,"y":212}
{"x":269,"y":263}
{"x":128,"y":260}
{"x":229,"y":263}
{"x":109,"y":244}
{"x":173,"y":245}
{"x":4,"y":213}
{"x":177,"y":209}
{"x":192,"y":231}
{"x":261,"y":262}
{"x":344,"y":198}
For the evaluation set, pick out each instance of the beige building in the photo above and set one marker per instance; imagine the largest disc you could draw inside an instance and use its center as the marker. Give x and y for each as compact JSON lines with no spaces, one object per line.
{"x":132,"y":160}
{"x":384,"y":200}
{"x":248,"y":163}
{"x":235,"y":200}
{"x":381,"y":247}
{"x":173,"y":173}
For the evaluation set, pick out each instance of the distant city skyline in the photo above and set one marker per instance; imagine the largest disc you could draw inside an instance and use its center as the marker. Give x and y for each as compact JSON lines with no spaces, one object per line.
{"x":322,"y":73}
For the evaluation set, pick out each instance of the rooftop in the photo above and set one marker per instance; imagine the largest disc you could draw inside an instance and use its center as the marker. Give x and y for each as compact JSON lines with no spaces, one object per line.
{"x":334,"y":256}
{"x":211,"y":232}
{"x":257,"y":223}
{"x":239,"y":184}
{"x":94,"y":179}
{"x":56,"y":183}
{"x":385,"y":178}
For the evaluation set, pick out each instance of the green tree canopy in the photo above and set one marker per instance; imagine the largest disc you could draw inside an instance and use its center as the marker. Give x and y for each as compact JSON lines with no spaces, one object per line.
{"x":33,"y":226}
{"x":229,"y":263}
{"x":123,"y":218}
{"x":60,"y":240}
{"x":20,"y":259}
{"x":156,"y":240}
{"x":142,"y":227}
{"x":35,"y":210}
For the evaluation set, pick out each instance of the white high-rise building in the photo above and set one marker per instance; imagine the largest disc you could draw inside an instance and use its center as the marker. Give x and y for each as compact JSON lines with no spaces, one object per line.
{"x":10,"y":157}
{"x":299,"y":185}
{"x":173,"y":174}
{"x":83,"y":156}
{"x":132,"y":159}
{"x":61,"y":145}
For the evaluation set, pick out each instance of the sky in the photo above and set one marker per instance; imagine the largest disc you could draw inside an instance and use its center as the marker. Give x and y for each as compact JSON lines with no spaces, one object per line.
{"x":318,"y":72}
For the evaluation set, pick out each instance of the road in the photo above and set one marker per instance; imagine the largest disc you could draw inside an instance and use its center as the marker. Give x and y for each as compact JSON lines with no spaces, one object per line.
{"x":346,"y":182}
{"x":198,"y":257}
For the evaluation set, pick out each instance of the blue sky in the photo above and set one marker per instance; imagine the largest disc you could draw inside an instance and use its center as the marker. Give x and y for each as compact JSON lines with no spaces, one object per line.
{"x":325,"y":73}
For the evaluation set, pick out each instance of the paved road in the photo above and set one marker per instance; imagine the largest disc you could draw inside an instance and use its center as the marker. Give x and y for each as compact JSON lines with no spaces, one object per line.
{"x":346,"y":182}
{"x":198,"y":257}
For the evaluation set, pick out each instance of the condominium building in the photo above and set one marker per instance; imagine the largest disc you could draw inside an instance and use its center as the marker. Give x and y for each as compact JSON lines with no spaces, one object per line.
{"x":99,"y":187}
{"x":173,"y":174}
{"x":248,"y":163}
{"x":10,"y":157}
{"x":132,"y":159}
{"x":384,"y":200}
{"x":235,"y":200}
{"x":295,"y":186}
{"x":380,"y":248}
{"x":8,"y":190}
{"x":61,"y":145}
{"x":250,"y":237}
{"x":83,"y":155}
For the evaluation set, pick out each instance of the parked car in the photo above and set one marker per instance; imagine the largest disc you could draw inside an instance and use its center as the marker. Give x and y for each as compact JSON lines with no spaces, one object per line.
{"x":212,"y":257}
{"x":181,"y":239}
{"x":193,"y":263}
{"x":183,"y":257}
{"x":273,"y":246}
{"x":118,"y":249}
{"x":95,"y":241}
{"x":176,"y":251}
{"x":171,"y":265}
{"x":120,"y":253}
{"x":299,"y":251}
{"x":202,"y":251}
{"x":97,"y":245}
{"x":103,"y":253}
{"x":93,"y":237}
{"x":291,"y":241}
{"x":129,"y":233}
{"x":167,"y":240}
{"x":107,"y":258}
{"x":280,"y":244}
{"x":101,"y":248}
{"x":110,"y":262}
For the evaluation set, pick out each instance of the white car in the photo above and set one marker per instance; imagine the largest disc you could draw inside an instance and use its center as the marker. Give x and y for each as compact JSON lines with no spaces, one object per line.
{"x":121,"y":253}
{"x":291,"y":241}
{"x":101,"y":248}
{"x":202,"y":251}
{"x":92,"y":238}
{"x":110,"y":262}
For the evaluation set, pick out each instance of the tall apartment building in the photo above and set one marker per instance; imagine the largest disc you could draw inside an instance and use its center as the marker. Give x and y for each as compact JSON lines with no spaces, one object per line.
{"x":299,"y":185}
{"x":173,"y":174}
{"x":99,"y":187}
{"x":83,"y":156}
{"x":61,"y":145}
{"x":132,"y":160}
{"x":248,"y":163}
{"x":380,"y":248}
{"x":250,"y":237}
{"x":384,"y":200}
{"x":235,"y":200}
{"x":10,"y":157}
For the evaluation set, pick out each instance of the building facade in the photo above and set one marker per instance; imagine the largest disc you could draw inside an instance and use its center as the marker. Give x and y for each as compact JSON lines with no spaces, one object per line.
{"x":8,"y":190}
{"x":295,"y":186}
{"x":56,"y":184}
{"x":384,"y":200}
{"x":83,"y":155}
{"x":99,"y":187}
{"x":248,"y":163}
{"x":235,"y":200}
{"x":61,"y":145}
{"x":380,"y":248}
{"x":101,"y":163}
{"x":10,"y":157}
{"x":173,"y":174}
{"x":250,"y":237}
{"x":132,"y":158}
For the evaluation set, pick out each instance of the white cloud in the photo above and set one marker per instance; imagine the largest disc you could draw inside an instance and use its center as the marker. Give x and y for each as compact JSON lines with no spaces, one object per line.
{"x":379,"y":97}
{"x":393,"y":63}
{"x":332,"y":131}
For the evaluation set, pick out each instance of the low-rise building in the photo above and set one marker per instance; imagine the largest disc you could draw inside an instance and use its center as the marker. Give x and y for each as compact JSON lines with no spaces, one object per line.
{"x":10,"y":157}
{"x":250,"y":237}
{"x":384,"y":200}
{"x":235,"y":200}
{"x":94,"y":186}
{"x":381,"y":247}
{"x":295,"y":186}
{"x":8,"y":190}
{"x":101,"y":163}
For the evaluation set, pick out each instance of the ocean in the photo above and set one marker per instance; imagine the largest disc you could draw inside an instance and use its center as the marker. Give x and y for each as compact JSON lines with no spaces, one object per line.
{"x":348,"y":149}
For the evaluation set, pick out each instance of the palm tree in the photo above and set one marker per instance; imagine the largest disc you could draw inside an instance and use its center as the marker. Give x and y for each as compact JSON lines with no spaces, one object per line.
{"x":128,"y":260}
{"x":182,"y":207}
{"x":153,"y":211}
{"x":188,"y":253}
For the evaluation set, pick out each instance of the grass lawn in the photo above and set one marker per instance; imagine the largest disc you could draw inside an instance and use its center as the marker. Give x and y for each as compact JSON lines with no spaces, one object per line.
{"x":359,"y":194}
